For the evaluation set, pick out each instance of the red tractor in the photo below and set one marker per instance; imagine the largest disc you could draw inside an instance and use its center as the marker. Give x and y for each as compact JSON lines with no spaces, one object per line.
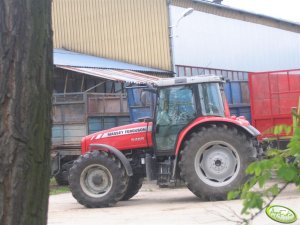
{"x":191,"y":137}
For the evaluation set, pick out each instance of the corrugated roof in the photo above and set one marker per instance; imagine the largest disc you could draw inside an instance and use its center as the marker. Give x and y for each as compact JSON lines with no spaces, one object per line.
{"x":63,"y":57}
{"x":115,"y":75}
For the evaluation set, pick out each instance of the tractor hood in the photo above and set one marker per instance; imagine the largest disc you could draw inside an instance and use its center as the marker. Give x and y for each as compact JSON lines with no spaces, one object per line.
{"x":136,"y":135}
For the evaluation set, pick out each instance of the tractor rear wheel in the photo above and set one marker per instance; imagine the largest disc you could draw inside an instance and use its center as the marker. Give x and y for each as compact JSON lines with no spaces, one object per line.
{"x":214,"y":160}
{"x":98,"y":179}
{"x":134,"y":185}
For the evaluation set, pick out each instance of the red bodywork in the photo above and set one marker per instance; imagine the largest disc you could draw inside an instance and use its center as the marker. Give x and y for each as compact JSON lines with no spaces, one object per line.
{"x":273,"y":94}
{"x":132,"y":136}
{"x":139,"y":135}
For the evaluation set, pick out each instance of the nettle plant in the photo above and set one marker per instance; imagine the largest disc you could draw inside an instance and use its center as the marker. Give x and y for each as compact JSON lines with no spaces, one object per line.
{"x":257,"y":195}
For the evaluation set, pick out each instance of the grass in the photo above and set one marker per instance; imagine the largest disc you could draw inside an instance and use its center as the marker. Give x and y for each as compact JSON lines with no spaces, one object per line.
{"x":56,"y":189}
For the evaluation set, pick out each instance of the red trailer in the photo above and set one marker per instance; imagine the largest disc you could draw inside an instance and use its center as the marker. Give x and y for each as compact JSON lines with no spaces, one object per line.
{"x":272,"y":96}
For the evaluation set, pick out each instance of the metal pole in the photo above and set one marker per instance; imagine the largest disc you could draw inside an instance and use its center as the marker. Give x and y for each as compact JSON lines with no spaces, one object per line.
{"x":172,"y":32}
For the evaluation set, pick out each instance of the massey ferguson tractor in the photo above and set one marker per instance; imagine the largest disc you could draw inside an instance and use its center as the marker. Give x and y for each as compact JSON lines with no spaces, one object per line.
{"x":191,"y":137}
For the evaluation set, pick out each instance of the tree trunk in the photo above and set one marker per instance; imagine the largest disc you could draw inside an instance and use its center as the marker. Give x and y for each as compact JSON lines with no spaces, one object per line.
{"x":25,"y":110}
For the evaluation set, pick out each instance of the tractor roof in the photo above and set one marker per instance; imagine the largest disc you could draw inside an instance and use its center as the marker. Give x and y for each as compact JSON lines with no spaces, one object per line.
{"x":188,"y":80}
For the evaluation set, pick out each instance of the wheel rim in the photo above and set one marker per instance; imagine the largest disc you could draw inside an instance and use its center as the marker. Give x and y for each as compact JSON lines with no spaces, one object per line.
{"x":96,"y":181}
{"x":217,"y":163}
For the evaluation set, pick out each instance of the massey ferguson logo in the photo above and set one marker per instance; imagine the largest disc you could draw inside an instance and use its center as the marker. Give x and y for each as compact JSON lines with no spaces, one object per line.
{"x":124,"y":132}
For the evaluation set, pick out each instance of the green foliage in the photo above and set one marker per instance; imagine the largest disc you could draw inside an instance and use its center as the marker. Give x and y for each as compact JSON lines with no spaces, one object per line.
{"x":282,"y":164}
{"x":56,"y":189}
{"x":59,"y":190}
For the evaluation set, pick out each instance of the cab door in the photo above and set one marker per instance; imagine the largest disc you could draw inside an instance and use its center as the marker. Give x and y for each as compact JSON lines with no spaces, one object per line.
{"x":175,"y":109}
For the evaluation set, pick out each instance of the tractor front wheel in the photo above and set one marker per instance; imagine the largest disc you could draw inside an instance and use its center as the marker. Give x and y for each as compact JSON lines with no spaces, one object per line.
{"x":214,"y":160}
{"x":98,"y":179}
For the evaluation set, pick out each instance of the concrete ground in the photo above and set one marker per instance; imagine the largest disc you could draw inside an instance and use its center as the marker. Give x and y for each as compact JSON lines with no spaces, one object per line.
{"x":155,"y":206}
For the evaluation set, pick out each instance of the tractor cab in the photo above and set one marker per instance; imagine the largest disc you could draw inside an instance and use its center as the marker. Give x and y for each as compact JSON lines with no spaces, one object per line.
{"x":179,"y":102}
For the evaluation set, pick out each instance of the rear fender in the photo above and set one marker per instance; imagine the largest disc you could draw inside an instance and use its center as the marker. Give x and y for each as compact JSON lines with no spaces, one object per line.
{"x":116,"y":152}
{"x":240,"y":124}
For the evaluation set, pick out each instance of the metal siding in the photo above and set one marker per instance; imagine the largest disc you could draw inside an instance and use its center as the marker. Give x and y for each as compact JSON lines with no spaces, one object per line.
{"x":68,"y":133}
{"x":273,"y":95}
{"x":241,"y":111}
{"x":237,"y":95}
{"x":236,"y":90}
{"x":234,"y":13}
{"x":207,"y":40}
{"x":134,"y":31}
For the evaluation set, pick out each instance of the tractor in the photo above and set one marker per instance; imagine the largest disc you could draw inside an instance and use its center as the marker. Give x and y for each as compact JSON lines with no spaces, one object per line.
{"x":190,"y":136}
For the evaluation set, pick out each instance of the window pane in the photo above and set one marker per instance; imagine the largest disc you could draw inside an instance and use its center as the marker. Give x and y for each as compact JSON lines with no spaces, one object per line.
{"x":230,"y":76}
{"x":181,"y":72}
{"x":194,"y":71}
{"x":210,"y":99}
{"x":176,"y":108}
{"x":224,"y":74}
{"x":245,"y":76}
{"x":188,"y":72}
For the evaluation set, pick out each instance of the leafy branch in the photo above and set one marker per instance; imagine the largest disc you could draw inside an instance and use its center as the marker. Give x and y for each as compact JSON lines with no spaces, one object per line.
{"x":282,"y":164}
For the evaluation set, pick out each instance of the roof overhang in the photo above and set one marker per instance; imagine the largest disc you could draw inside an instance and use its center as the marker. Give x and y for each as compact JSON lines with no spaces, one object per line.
{"x":115,"y":75}
{"x":63,"y":57}
{"x":128,"y":76}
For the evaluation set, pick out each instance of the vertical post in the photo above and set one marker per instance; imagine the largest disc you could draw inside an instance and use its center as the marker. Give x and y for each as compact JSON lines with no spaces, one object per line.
{"x":82,"y":83}
{"x":63,"y":133}
{"x":121,"y":103}
{"x":295,"y":111}
{"x":172,"y":35}
{"x":66,"y":83}
{"x":86,"y":111}
{"x":295,"y":122}
{"x":270,"y":97}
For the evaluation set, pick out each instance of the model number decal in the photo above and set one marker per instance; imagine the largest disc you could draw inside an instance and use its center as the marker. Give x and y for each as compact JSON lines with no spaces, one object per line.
{"x":124,"y":132}
{"x":138,"y":139}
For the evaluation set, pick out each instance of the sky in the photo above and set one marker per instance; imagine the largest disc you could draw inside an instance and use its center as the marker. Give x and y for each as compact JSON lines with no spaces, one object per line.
{"x":283,"y":9}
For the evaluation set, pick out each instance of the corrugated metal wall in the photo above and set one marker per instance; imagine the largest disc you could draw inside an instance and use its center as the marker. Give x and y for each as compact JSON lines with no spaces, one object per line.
{"x":134,"y":31}
{"x":207,"y":40}
{"x":233,"y":14}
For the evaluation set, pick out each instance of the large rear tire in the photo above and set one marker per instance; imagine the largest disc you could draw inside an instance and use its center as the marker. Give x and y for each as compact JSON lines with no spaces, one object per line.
{"x":98,"y":179}
{"x":134,"y":185}
{"x":214,"y":160}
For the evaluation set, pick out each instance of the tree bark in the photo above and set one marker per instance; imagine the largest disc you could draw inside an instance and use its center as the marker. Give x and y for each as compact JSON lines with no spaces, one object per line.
{"x":25,"y":110}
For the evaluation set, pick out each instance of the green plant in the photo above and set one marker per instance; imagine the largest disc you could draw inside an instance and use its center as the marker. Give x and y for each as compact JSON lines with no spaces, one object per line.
{"x":283,"y":164}
{"x":56,"y":189}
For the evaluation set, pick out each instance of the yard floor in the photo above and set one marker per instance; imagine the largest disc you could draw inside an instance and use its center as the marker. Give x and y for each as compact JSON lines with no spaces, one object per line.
{"x":155,"y":206}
